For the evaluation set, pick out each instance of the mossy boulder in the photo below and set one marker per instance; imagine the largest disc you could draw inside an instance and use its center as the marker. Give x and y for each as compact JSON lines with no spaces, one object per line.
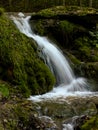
{"x":65,"y":10}
{"x":85,"y":16}
{"x":19,"y":61}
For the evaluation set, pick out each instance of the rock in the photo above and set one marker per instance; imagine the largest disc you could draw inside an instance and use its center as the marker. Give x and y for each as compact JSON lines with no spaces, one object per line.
{"x":76,"y":122}
{"x":21,"y":14}
{"x":48,"y":123}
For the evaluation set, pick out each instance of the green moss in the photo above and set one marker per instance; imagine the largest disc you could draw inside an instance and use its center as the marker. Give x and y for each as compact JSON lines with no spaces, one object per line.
{"x":74,"y":60}
{"x":1,"y":127}
{"x":91,"y":70}
{"x":1,"y":11}
{"x":38,"y":27}
{"x":47,"y":13}
{"x":91,"y":124}
{"x":19,"y":61}
{"x":66,"y":26}
{"x":85,"y":49}
{"x":16,"y":115}
{"x":57,"y":10}
{"x":4,"y":89}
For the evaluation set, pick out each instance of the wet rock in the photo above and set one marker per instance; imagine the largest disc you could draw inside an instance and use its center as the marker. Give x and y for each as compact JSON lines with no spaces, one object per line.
{"x":75,"y":123}
{"x":48,"y":123}
{"x":78,"y":121}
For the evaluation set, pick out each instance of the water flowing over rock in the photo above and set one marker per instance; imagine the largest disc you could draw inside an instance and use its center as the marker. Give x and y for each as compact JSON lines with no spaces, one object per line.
{"x":53,"y":57}
{"x":75,"y":123}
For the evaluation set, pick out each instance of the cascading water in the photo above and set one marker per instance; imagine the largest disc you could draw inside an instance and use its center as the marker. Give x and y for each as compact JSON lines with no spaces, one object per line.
{"x":68,"y":127}
{"x":54,"y":58}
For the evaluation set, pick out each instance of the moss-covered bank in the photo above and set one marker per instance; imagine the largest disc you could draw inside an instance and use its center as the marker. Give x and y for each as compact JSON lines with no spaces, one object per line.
{"x":19,"y":61}
{"x":22,"y":73}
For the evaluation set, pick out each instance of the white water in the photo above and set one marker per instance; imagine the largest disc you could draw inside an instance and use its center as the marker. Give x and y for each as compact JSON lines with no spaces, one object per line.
{"x":66,"y":81}
{"x":68,"y":127}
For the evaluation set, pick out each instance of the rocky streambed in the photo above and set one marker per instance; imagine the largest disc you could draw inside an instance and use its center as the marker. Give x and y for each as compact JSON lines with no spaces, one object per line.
{"x":50,"y":114}
{"x":71,"y":110}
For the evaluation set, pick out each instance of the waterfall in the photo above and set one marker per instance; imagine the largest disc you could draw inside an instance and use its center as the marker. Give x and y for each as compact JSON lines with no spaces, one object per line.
{"x":53,"y":57}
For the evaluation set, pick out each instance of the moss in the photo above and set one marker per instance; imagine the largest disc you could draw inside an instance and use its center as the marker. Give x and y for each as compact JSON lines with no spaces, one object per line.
{"x":4,"y":89}
{"x":85,"y":50}
{"x":38,"y":27}
{"x":90,"y":70}
{"x":16,"y":114}
{"x":22,"y":115}
{"x":62,"y":10}
{"x":19,"y":61}
{"x":1,"y":11}
{"x":1,"y":127}
{"x":46,"y":13}
{"x":40,"y":78}
{"x":74,"y":60}
{"x":91,"y":124}
{"x":66,"y":26}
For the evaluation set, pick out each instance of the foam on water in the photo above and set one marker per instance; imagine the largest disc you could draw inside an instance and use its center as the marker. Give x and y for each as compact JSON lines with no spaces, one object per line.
{"x":68,"y":127}
{"x":59,"y":94}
